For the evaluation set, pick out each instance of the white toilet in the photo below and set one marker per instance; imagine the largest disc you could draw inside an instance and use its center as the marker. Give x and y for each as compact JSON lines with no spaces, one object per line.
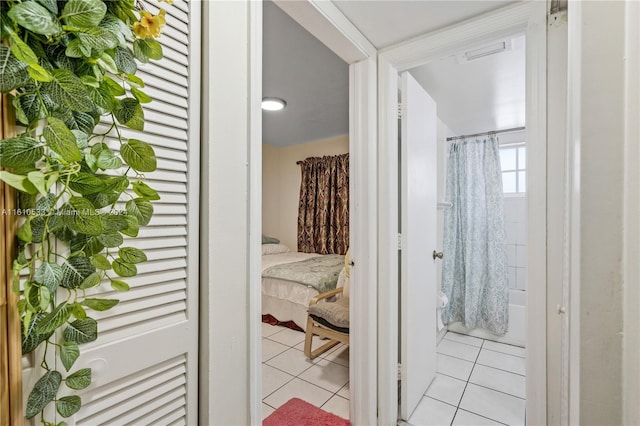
{"x":442,"y":302}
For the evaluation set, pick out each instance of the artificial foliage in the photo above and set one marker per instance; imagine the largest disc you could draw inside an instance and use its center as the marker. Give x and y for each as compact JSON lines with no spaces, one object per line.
{"x":70,"y":68}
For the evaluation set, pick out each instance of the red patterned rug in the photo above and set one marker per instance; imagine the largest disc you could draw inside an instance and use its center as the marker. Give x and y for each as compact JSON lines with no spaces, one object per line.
{"x":270,"y":319}
{"x":297,"y":412}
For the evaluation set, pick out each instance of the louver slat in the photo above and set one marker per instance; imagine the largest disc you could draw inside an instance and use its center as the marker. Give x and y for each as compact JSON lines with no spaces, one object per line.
{"x":152,"y":70}
{"x":139,"y":390}
{"x":167,"y":415}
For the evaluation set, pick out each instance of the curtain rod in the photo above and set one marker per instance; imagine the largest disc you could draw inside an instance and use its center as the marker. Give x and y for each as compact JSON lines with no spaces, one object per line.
{"x":493,"y":132}
{"x":337,"y":155}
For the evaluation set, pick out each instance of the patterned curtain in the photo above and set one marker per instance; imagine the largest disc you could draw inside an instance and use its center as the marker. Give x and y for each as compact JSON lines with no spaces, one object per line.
{"x":323,"y":210}
{"x":474,"y":267}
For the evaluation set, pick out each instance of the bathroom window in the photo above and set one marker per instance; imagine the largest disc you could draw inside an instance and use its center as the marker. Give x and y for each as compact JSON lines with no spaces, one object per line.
{"x":513,"y":160}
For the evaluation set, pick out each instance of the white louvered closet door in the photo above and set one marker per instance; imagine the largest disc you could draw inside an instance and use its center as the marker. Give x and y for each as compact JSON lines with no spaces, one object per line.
{"x":146,"y":357}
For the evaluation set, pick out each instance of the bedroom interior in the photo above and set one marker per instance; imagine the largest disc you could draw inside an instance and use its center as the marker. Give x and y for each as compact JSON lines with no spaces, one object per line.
{"x":305,"y":219}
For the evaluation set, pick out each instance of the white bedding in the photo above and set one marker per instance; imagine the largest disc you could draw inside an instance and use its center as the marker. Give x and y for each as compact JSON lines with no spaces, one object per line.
{"x":295,"y":296}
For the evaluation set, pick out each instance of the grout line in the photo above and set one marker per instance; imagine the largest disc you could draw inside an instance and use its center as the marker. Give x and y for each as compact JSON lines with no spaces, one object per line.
{"x":439,"y":400}
{"x":502,"y":369}
{"x":506,"y":353}
{"x":452,"y":377}
{"x":318,"y":386}
{"x":348,"y":399}
{"x":467,"y":384}
{"x":274,"y":391}
{"x":484,"y":417}
{"x":292,"y":377}
{"x":279,"y":353}
{"x":284,"y":371}
{"x":462,"y":343}
{"x":457,"y":357}
{"x":458,"y":341}
{"x":261,"y":410}
{"x":508,"y":344}
{"x":284,"y":344}
{"x":492,"y":341}
{"x":340,"y":396}
{"x":468,"y":381}
{"x":499,"y":391}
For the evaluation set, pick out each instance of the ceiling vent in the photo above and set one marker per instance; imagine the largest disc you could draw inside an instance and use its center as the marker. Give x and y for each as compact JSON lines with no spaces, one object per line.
{"x":484,"y":51}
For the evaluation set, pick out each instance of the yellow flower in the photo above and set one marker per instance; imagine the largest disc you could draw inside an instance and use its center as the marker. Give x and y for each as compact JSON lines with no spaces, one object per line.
{"x":167,"y":1}
{"x":149,"y":25}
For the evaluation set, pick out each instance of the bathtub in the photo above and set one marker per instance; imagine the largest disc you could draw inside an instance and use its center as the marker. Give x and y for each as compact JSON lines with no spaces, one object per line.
{"x":517,"y":323}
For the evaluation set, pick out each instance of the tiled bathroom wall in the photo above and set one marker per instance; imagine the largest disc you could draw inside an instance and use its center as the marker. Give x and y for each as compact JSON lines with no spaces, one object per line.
{"x":516,"y":224}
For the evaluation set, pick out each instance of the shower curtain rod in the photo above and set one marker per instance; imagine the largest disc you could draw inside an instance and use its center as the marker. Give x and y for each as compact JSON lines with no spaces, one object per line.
{"x":493,"y":132}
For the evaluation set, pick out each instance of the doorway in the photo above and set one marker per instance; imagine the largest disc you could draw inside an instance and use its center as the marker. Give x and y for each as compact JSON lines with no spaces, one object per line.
{"x":479,"y":95}
{"x":528,"y":19}
{"x":352,"y":48}
{"x":305,"y":211}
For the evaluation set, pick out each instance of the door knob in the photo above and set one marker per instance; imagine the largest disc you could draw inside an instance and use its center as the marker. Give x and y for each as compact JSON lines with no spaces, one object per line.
{"x":437,"y":254}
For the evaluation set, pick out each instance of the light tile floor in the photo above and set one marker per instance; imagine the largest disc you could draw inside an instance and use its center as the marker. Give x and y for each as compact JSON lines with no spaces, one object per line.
{"x":287,"y":373}
{"x":478,"y":382}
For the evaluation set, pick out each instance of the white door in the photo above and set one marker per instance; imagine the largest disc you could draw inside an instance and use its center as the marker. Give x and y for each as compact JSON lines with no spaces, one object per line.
{"x":418,"y":227}
{"x":145,"y":360}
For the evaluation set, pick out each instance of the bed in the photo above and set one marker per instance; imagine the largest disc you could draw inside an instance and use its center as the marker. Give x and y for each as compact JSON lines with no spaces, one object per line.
{"x":287,"y":299}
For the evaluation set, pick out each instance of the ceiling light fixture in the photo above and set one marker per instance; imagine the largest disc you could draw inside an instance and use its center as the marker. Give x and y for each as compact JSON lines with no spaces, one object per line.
{"x":484,"y":51}
{"x":273,"y":104}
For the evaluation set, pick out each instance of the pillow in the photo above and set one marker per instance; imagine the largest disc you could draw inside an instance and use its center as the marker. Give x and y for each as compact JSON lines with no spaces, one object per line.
{"x":269,"y":240}
{"x":274,"y":249}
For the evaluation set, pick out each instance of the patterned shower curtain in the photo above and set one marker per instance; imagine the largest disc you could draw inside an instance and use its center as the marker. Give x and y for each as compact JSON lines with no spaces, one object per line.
{"x":323,"y":209}
{"x":474,"y":268}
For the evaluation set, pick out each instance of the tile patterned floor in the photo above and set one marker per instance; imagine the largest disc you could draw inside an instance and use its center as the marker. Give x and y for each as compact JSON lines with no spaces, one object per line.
{"x":478,"y":382}
{"x":287,"y":373}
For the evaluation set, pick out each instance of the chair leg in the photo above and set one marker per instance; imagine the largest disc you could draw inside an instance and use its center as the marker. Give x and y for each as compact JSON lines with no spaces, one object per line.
{"x":323,"y":348}
{"x":308,"y":338}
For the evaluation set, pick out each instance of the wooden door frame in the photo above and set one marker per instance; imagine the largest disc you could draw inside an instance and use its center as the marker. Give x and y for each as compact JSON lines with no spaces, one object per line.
{"x":10,"y":340}
{"x":529,"y":18}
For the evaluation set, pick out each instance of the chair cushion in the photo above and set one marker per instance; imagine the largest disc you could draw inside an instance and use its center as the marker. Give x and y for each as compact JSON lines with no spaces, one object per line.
{"x":334,"y":315}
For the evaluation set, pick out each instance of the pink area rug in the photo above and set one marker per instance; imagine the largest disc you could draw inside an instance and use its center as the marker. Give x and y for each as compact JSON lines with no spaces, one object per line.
{"x":297,"y":412}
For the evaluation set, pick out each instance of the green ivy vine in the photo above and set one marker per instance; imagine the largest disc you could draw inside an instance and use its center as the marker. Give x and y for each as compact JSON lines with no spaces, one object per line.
{"x":70,"y":67}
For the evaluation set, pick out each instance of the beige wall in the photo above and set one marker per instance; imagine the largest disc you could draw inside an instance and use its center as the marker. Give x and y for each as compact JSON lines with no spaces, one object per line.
{"x":631,"y":297}
{"x":601,"y":180}
{"x":281,"y":184}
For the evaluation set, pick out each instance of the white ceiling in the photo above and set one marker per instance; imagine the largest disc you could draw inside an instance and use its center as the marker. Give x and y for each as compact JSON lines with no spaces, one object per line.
{"x":386,"y":23}
{"x":481,"y":95}
{"x":486,"y":94}
{"x":308,"y":76}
